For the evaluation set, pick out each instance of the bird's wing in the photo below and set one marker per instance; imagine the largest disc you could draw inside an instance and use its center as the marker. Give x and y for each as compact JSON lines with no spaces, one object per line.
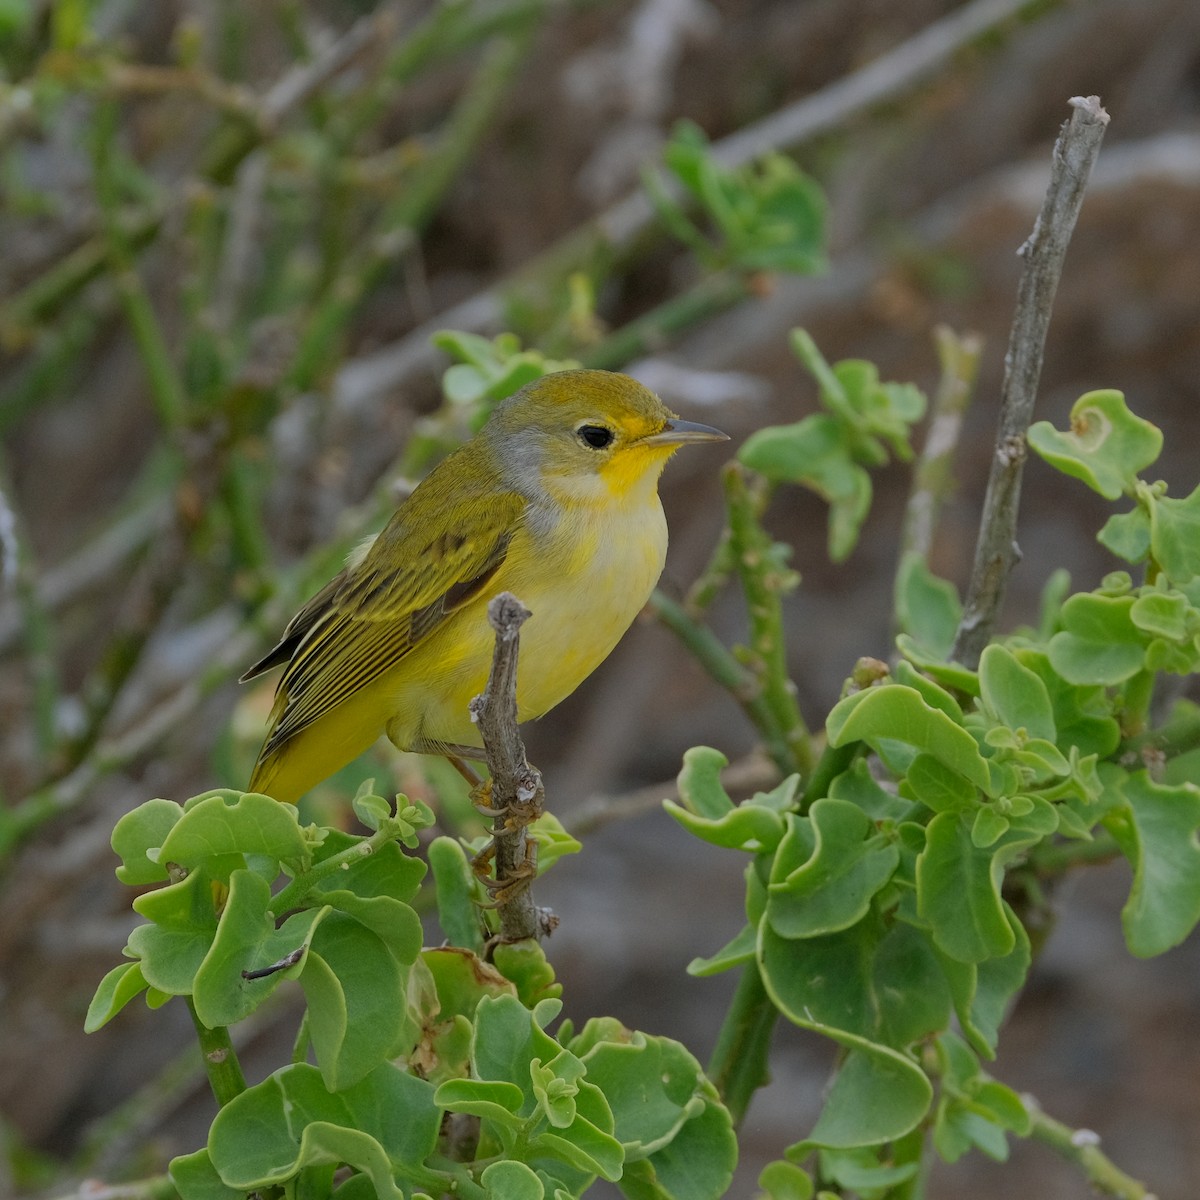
{"x":422,"y":566}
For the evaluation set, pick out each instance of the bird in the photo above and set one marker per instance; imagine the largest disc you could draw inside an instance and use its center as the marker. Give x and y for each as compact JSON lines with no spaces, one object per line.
{"x":555,"y":500}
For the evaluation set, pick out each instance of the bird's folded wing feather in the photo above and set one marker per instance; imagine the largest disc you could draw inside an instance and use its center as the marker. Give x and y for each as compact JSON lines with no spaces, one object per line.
{"x":424,"y":564}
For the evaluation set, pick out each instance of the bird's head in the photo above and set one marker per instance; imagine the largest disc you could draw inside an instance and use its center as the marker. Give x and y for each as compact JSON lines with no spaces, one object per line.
{"x":588,"y":436}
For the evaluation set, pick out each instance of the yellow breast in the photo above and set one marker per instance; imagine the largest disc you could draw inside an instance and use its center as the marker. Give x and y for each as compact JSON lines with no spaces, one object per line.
{"x":584,"y":573}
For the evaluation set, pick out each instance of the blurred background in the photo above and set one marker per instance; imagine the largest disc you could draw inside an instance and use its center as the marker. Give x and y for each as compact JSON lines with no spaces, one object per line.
{"x":228,"y":233}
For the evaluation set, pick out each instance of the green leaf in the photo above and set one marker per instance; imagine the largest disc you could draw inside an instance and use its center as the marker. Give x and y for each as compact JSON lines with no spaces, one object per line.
{"x":651,"y":1085}
{"x":785,"y":1181}
{"x":1013,"y":695}
{"x":958,"y":889}
{"x":512,"y":1181}
{"x":182,"y":926}
{"x":116,"y":989}
{"x":1082,"y":714}
{"x":699,"y":783}
{"x":492,"y":1099}
{"x":696,"y":1164}
{"x":823,"y":881}
{"x":553,"y":841}
{"x":1099,"y":643}
{"x":1165,"y":614}
{"x":937,"y":786}
{"x":901,"y":714}
{"x":226,"y":823}
{"x":735,"y":954}
{"x":860,"y":1169}
{"x":875,"y":986}
{"x":525,"y":965}
{"x":857,"y":785}
{"x":1158,"y":834}
{"x":708,"y":813}
{"x":247,"y":940}
{"x":877,"y":1096}
{"x":384,"y":1124}
{"x":927,"y":608}
{"x":949,"y":675}
{"x":372,"y":810}
{"x":1105,"y":447}
{"x":815,"y":453}
{"x":139,"y":831}
{"x":386,"y":872}
{"x":1127,"y":535}
{"x":462,"y":979}
{"x":352,"y":985}
{"x":1175,"y":536}
{"x":395,"y":923}
{"x":195,"y":1178}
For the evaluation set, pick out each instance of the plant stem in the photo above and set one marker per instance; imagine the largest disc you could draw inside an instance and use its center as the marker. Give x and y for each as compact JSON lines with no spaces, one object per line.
{"x":712,"y":654}
{"x":1082,"y":1147}
{"x":516,"y":793}
{"x":764,"y":579}
{"x":738,"y":1066}
{"x":1044,"y":252}
{"x":933,"y":479}
{"x":296,"y":892}
{"x":220,"y":1059}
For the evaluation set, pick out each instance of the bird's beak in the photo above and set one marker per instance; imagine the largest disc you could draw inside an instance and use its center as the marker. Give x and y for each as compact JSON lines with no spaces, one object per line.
{"x":676,"y":432}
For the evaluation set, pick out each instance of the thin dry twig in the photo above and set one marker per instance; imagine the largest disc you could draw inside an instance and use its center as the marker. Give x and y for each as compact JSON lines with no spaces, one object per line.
{"x":516,"y":792}
{"x":996,"y":551}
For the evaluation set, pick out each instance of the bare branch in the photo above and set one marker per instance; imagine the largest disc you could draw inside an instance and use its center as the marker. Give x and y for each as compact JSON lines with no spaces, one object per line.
{"x":996,"y":551}
{"x":516,"y":792}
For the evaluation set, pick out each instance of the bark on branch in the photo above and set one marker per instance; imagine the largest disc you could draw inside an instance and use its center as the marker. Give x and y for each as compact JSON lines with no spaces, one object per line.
{"x":516,"y":793}
{"x":996,"y":551}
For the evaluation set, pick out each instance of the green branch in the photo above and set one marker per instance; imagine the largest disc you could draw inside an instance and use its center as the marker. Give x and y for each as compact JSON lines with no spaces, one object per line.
{"x":220,"y":1059}
{"x":1082,"y":1147}
{"x":712,"y":654}
{"x":765,"y":579}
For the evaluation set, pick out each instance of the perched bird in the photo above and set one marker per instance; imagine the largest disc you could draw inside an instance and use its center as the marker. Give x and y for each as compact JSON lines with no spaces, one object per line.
{"x":554,"y":500}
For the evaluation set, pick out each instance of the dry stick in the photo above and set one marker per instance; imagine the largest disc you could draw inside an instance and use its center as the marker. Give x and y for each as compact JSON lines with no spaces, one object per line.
{"x":516,"y":787}
{"x":996,"y":551}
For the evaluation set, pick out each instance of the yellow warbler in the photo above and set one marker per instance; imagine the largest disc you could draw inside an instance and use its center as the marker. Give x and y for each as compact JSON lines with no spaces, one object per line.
{"x":555,"y":500}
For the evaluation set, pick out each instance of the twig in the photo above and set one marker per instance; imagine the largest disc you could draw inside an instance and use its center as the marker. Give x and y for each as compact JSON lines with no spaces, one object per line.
{"x":516,"y":787}
{"x":1082,"y":1147}
{"x":996,"y":552}
{"x":713,"y":655}
{"x":932,"y":480}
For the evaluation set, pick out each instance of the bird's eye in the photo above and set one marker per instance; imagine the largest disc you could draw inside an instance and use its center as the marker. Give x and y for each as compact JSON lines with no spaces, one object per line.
{"x":596,"y":436}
